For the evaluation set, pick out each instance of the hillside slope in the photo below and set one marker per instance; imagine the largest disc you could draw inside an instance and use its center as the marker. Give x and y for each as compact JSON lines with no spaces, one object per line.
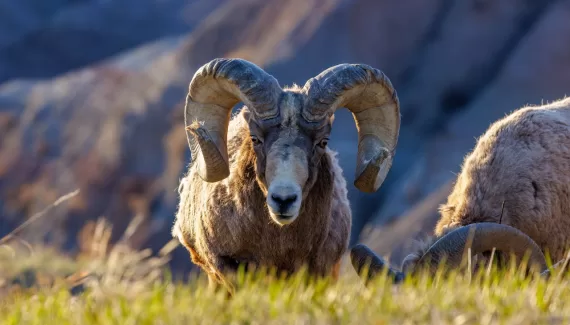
{"x":101,"y":108}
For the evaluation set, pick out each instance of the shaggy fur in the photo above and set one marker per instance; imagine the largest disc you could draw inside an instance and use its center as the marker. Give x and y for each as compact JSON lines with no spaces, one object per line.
{"x":228,"y":222}
{"x":523,"y":162}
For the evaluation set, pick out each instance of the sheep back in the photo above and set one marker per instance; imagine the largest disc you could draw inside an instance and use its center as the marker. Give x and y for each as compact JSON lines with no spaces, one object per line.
{"x":518,"y":174}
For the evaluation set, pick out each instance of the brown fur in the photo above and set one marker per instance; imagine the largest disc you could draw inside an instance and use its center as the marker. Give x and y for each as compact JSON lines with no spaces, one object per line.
{"x":229,"y":220}
{"x":522,"y":160}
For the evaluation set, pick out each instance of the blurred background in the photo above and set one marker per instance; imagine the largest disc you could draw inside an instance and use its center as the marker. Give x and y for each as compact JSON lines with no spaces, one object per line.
{"x":92,"y":94}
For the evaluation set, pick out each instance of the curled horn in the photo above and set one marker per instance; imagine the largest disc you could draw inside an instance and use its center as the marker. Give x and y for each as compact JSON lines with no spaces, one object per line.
{"x":374,"y":104}
{"x":215,"y":88}
{"x":482,"y":237}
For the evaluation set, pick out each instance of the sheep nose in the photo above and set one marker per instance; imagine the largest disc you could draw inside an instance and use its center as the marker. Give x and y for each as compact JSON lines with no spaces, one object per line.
{"x":284,"y":201}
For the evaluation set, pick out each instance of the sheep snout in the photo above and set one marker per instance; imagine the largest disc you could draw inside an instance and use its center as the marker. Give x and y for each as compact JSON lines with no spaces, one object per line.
{"x":284,"y":201}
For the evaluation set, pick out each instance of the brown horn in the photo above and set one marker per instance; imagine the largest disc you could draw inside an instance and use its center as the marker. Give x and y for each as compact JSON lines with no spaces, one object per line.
{"x":215,"y":88}
{"x":361,"y":256}
{"x":484,"y":237}
{"x":374,"y":104}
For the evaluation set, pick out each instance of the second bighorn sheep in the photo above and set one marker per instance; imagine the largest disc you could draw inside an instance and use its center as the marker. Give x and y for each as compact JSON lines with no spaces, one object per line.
{"x":513,"y":191}
{"x":263,"y":187}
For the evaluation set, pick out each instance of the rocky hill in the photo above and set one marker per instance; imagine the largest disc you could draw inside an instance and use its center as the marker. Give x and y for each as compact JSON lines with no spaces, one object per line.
{"x":92,"y":92}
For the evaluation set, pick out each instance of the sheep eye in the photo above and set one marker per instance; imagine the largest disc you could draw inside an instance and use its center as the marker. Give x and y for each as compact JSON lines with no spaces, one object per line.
{"x":323,"y":143}
{"x":255,"y":140}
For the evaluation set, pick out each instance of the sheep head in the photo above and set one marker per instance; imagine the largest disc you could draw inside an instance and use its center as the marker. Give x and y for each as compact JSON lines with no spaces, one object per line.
{"x":290,"y":128}
{"x":451,"y":247}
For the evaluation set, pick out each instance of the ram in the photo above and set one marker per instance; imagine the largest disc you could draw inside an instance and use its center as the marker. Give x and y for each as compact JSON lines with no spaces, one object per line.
{"x":512,"y":194}
{"x":263,"y":187}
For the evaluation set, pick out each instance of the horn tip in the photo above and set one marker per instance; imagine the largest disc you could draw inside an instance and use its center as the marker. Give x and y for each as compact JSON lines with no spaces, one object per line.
{"x":360,"y":255}
{"x":373,"y":174}
{"x":217,"y":176}
{"x":212,"y":165}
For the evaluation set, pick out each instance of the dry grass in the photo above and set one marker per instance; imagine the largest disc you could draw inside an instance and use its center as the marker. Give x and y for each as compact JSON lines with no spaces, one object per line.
{"x":128,"y":287}
{"x":119,"y":285}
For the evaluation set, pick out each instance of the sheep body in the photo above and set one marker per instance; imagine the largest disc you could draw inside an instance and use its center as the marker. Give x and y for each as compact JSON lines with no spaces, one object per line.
{"x":263,"y":187}
{"x":518,"y":174}
{"x":512,"y":195}
{"x":228,"y":221}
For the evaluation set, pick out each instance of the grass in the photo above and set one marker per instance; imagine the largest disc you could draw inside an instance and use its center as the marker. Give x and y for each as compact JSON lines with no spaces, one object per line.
{"x":119,"y":285}
{"x":122,"y":296}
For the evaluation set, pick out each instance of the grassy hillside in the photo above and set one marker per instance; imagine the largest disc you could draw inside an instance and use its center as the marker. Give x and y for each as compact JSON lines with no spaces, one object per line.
{"x":115,"y":284}
{"x":125,"y":287}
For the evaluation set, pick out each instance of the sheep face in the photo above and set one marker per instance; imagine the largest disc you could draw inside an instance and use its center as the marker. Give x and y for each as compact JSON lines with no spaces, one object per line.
{"x":290,"y":127}
{"x":288,"y":154}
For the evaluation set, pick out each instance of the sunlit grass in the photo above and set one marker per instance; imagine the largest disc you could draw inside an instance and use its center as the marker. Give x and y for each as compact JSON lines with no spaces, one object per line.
{"x":114,"y":284}
{"x":487,"y":297}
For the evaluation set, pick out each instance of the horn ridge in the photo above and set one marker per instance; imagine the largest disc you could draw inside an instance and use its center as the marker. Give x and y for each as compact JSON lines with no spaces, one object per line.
{"x":247,"y":83}
{"x":371,"y":98}
{"x":484,"y":236}
{"x":216,"y":87}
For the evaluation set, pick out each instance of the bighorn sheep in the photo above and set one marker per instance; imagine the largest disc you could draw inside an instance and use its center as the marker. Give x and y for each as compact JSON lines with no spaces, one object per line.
{"x":263,"y":187}
{"x":513,"y":191}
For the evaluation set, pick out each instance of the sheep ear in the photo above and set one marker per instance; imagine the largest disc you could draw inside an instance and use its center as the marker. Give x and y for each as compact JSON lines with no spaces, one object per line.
{"x":246,"y":114}
{"x":249,"y":117}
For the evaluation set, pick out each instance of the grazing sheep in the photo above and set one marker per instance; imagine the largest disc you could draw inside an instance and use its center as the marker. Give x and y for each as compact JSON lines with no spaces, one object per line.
{"x":514,"y":188}
{"x":263,"y":188}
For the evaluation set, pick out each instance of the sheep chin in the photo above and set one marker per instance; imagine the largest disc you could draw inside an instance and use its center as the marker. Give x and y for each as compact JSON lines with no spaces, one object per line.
{"x":283,"y":220}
